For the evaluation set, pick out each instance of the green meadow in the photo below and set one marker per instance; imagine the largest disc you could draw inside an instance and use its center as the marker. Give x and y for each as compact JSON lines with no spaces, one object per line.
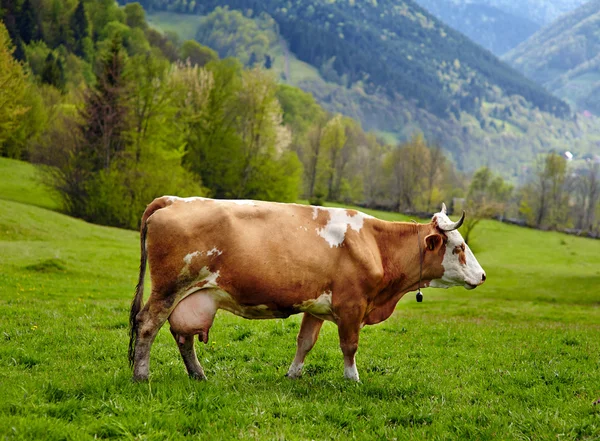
{"x":517,"y":358}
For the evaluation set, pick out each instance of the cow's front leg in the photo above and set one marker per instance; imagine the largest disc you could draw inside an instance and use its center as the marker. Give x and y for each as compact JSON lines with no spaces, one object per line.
{"x":348,"y":329}
{"x":307,"y":337}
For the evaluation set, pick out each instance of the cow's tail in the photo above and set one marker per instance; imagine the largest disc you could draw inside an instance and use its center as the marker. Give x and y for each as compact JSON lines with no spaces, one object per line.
{"x":138,"y":300}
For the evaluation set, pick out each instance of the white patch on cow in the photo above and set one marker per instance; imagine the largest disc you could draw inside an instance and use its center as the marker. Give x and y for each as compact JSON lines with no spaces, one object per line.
{"x":215,"y":250}
{"x":188,"y":257}
{"x":241,"y":202}
{"x":351,"y":373}
{"x":295,"y":370}
{"x":455,"y":273}
{"x":172,"y":199}
{"x":315,"y":213}
{"x":319,"y":307}
{"x":211,"y":279}
{"x":337,"y":225}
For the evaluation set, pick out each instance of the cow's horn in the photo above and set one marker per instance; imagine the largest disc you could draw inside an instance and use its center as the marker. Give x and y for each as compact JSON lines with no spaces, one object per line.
{"x":451,"y":226}
{"x":443,"y":208}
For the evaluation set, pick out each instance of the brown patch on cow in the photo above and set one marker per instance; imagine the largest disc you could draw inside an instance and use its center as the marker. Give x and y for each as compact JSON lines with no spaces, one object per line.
{"x":460,"y":251}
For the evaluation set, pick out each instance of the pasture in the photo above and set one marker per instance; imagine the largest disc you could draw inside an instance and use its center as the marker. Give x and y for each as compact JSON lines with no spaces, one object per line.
{"x":518,"y":358}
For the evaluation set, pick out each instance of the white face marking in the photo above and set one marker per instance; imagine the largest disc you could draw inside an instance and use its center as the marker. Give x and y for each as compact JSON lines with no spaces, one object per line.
{"x":468,"y":275}
{"x":337,"y":225}
{"x":351,"y":373}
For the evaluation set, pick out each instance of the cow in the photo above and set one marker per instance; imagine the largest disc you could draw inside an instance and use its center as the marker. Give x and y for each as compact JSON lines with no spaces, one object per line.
{"x":263,"y":260}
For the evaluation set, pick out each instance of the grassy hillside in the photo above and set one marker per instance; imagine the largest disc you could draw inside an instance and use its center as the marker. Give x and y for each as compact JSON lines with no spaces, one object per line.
{"x":22,"y":182}
{"x":515,"y":359}
{"x":564,"y":57}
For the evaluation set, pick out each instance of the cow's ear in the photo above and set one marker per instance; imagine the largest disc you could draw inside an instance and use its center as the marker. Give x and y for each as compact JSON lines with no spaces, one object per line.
{"x":433,"y":241}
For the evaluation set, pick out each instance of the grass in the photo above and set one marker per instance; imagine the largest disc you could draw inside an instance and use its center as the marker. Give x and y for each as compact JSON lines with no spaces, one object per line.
{"x":21,"y":181}
{"x":184,"y":25}
{"x":518,"y":358}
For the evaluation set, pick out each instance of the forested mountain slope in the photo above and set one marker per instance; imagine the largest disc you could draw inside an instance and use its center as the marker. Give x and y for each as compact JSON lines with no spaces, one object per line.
{"x":565,"y":57}
{"x":399,"y":70}
{"x":392,"y":47}
{"x":491,"y":27}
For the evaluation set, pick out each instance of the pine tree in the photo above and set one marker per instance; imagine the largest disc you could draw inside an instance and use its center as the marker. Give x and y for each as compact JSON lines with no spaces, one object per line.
{"x":105,"y":112}
{"x":80,"y":28}
{"x":27,"y":22}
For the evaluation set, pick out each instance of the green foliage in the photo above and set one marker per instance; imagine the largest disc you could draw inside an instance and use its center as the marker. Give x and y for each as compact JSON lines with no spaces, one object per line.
{"x":197,"y":53}
{"x":13,"y":93}
{"x":53,"y":72}
{"x":488,"y":197}
{"x":545,"y":198}
{"x":232,"y":34}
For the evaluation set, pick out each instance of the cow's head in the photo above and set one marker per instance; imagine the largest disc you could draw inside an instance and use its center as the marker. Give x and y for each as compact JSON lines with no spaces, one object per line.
{"x":459,"y":263}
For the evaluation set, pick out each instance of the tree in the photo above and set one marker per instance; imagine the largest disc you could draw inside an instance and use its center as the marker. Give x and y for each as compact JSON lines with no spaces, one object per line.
{"x":104,"y":115}
{"x":53,"y":72}
{"x":487,"y":197}
{"x":545,"y":199}
{"x":587,"y":194}
{"x":13,"y":81}
{"x":29,"y":29}
{"x":264,"y":139}
{"x":150,"y":103}
{"x":135,"y":16}
{"x":80,"y":29}
{"x":196,"y":53}
{"x":406,"y":168}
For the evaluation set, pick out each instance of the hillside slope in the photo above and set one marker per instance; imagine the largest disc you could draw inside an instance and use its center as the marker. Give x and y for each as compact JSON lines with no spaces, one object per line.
{"x":499,"y":25}
{"x":565,"y":57}
{"x":489,"y":26}
{"x":399,"y":70}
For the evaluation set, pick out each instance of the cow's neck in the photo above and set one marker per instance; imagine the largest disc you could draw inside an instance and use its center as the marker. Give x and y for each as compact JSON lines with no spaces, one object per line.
{"x":400,"y":253}
{"x":400,"y":257}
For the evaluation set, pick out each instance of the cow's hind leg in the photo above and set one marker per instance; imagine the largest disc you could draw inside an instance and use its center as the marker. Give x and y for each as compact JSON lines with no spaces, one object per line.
{"x":192,"y":316}
{"x":149,"y":321}
{"x":307,"y":337}
{"x":185,"y":343}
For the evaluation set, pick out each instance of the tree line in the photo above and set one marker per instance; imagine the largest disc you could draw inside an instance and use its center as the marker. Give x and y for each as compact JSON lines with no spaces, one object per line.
{"x":118,"y":113}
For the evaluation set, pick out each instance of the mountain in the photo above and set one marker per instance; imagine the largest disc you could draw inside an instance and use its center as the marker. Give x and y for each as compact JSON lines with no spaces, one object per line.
{"x":491,"y":27}
{"x":498,"y":25}
{"x":565,"y":57}
{"x":399,"y":70}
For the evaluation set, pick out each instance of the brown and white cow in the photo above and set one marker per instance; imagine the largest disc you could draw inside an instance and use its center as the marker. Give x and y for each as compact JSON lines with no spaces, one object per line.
{"x":264,"y":260}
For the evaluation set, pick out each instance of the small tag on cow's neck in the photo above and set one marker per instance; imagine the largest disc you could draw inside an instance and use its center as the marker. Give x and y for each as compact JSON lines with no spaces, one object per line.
{"x":419,"y":296}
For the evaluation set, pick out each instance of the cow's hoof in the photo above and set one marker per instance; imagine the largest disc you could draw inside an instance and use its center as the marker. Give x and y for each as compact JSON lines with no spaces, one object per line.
{"x":198,"y":377}
{"x":140,"y":378}
{"x":293,"y":375}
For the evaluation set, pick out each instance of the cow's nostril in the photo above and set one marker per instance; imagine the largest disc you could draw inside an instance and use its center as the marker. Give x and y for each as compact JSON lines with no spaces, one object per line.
{"x":483,"y":277}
